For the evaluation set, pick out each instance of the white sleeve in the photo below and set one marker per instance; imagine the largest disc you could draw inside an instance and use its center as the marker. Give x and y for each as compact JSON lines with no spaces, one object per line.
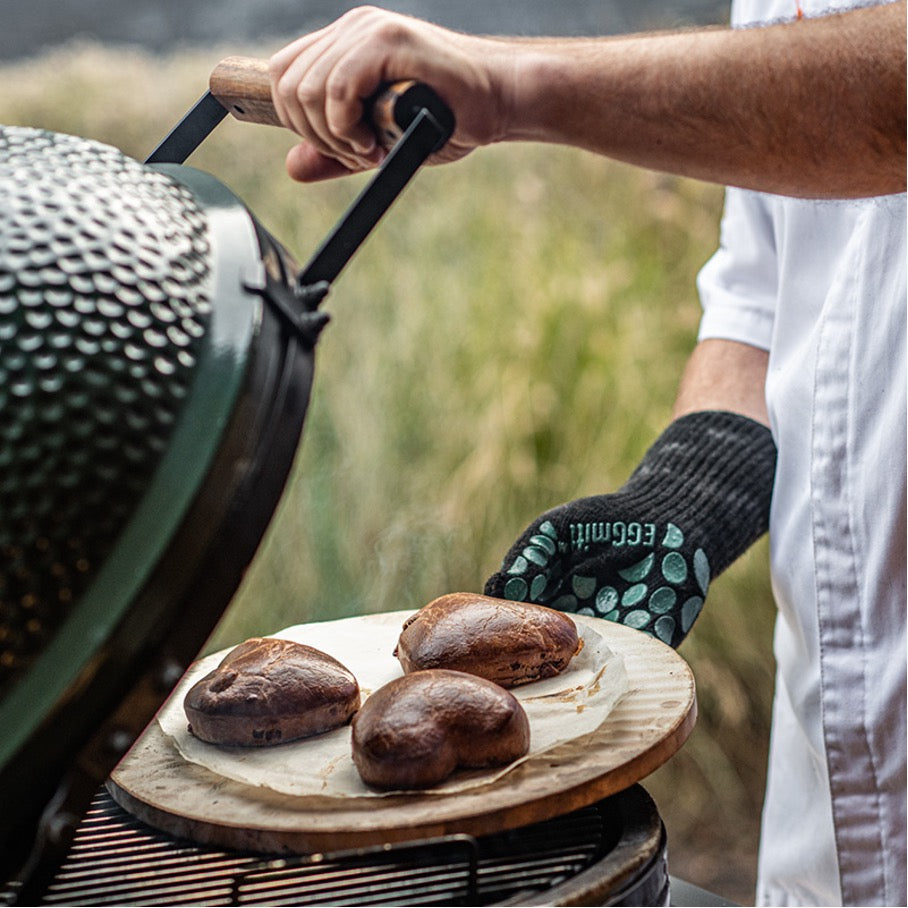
{"x":738,"y":285}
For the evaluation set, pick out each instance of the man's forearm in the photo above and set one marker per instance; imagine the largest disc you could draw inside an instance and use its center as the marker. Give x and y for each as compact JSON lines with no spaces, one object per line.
{"x":724,"y":375}
{"x":812,"y":108}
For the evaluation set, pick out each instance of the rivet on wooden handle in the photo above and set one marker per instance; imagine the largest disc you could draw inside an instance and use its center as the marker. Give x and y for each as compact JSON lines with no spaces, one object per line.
{"x":241,"y":84}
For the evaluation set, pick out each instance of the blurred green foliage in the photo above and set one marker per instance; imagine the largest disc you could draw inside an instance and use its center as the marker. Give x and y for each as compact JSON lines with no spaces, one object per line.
{"x":510,"y":338}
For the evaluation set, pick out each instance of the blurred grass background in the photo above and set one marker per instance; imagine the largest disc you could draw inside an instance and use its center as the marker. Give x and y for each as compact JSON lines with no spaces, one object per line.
{"x":510,"y":338}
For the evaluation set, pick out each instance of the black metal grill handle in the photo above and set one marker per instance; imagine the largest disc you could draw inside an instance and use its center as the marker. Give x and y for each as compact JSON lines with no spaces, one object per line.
{"x":417,"y":143}
{"x":408,"y":117}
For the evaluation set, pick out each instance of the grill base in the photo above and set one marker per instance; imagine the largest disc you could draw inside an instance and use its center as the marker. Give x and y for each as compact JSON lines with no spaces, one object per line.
{"x":610,"y":853}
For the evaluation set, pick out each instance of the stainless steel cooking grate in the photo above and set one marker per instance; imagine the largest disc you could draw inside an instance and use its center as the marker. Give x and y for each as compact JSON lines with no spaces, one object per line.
{"x":118,"y":860}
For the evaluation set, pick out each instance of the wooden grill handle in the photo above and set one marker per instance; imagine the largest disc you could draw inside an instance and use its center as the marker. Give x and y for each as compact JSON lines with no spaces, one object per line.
{"x":242,"y":86}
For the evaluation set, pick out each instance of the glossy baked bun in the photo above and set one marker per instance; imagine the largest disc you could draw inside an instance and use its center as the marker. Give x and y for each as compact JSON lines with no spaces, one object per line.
{"x":268,"y":691}
{"x":416,"y":730}
{"x":509,"y":643}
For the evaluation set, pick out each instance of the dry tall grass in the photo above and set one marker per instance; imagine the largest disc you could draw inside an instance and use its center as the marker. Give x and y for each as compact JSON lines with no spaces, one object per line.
{"x":510,"y":338}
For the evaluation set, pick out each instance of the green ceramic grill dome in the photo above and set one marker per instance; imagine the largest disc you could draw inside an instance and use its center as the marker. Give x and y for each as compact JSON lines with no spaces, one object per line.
{"x":156,"y":360}
{"x":152,"y":392}
{"x":104,"y":297}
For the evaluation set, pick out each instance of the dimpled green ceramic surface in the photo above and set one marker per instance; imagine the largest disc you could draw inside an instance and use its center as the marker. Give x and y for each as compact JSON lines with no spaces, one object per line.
{"x":124,"y":332}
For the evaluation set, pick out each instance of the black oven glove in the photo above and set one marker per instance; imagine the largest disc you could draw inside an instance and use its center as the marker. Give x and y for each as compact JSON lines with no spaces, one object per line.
{"x":644,"y":556}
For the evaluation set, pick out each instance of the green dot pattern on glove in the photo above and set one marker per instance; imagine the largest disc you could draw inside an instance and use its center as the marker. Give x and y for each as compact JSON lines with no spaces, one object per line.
{"x":634,"y":594}
{"x":639,"y":570}
{"x":674,"y":568}
{"x":701,"y":570}
{"x":638,"y":555}
{"x":583,"y":587}
{"x":649,"y":595}
{"x":663,"y":600}
{"x":607,"y":598}
{"x":673,"y":538}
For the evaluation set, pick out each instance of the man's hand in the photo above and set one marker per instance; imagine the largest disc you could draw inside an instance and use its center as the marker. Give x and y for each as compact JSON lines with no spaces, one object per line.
{"x":320,"y":81}
{"x":813,"y":108}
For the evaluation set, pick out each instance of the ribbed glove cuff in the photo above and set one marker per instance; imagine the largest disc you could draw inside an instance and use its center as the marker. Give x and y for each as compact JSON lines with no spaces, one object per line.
{"x":713,"y":472}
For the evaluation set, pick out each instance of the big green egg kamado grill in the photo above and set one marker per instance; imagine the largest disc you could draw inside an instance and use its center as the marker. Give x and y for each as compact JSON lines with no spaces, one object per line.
{"x":156,"y":358}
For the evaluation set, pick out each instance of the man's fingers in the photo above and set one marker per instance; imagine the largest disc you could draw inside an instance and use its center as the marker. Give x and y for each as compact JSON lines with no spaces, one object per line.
{"x":317,"y":100}
{"x":320,"y":84}
{"x":307,"y":165}
{"x":344,"y":114}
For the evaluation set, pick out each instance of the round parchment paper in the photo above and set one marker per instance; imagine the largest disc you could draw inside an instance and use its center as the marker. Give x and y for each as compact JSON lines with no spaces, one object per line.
{"x":560,"y":709}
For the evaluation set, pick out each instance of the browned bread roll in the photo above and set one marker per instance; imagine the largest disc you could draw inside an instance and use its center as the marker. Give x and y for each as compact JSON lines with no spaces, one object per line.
{"x":416,"y":730}
{"x":509,"y":643}
{"x":267,"y":691}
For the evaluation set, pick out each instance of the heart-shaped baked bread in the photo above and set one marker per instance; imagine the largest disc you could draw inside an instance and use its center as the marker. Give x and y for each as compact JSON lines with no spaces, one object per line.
{"x":268,"y":691}
{"x":509,"y":643}
{"x":414,"y":731}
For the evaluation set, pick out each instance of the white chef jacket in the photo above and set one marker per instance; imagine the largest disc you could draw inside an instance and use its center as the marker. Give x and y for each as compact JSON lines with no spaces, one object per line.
{"x":822,"y":286}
